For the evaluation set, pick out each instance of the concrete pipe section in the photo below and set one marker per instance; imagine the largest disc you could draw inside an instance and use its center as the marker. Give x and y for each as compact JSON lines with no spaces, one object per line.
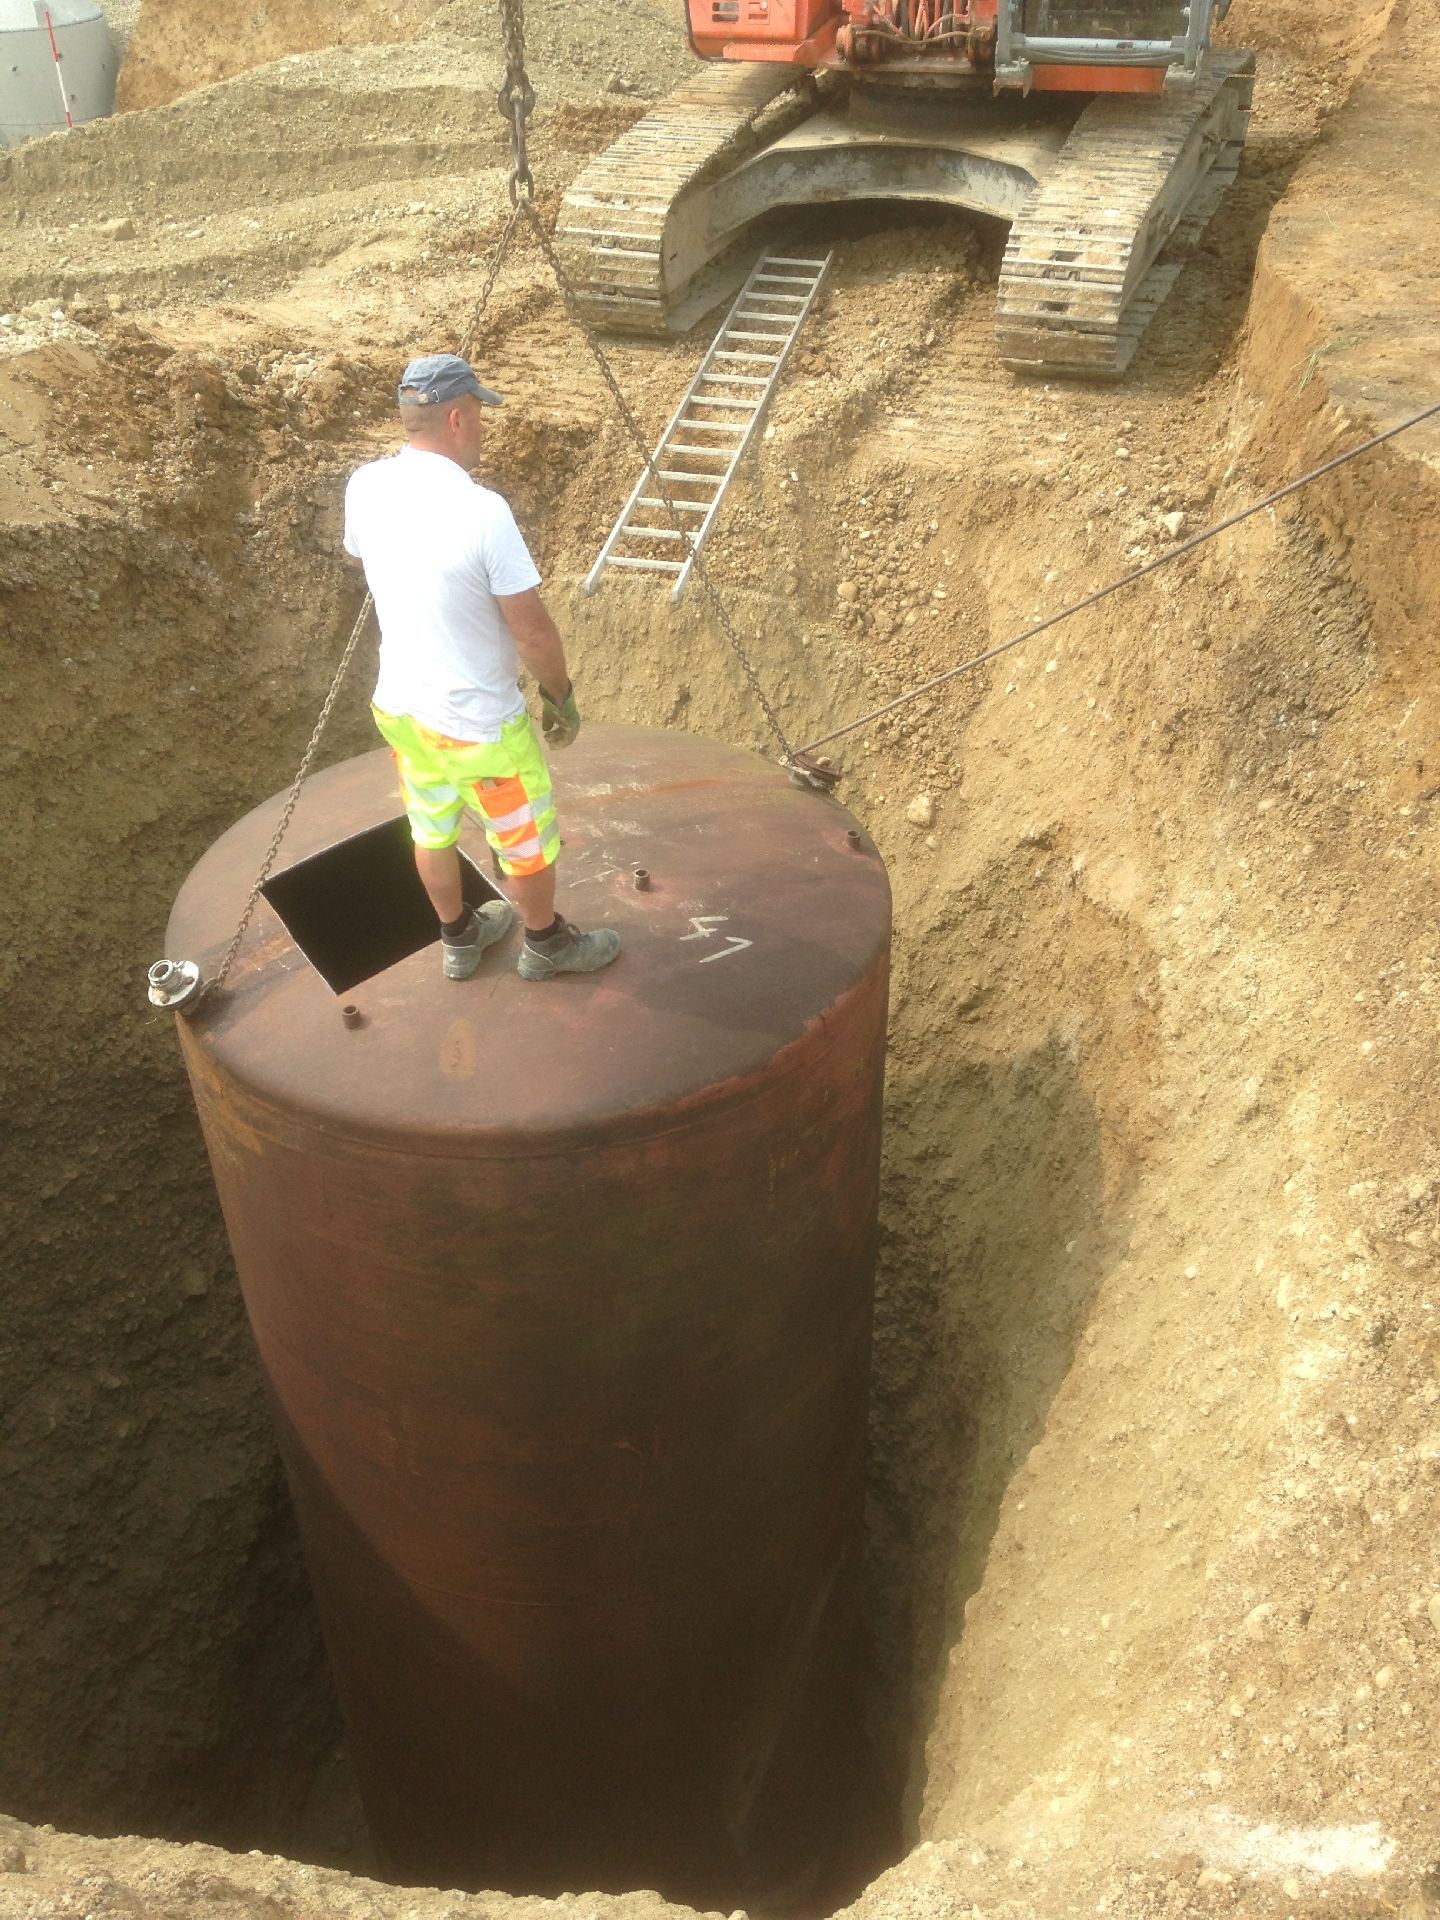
{"x":562,"y":1292}
{"x":57,"y":67}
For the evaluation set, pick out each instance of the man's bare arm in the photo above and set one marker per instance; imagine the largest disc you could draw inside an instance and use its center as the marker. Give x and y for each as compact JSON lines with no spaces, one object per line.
{"x":537,"y":640}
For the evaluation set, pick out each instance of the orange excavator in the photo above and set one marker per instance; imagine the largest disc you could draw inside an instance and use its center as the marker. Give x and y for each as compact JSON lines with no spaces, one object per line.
{"x":1102,"y":131}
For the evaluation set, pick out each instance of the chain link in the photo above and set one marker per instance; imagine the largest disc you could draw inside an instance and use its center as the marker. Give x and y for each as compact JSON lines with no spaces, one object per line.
{"x":356,"y":635}
{"x":467,"y":339}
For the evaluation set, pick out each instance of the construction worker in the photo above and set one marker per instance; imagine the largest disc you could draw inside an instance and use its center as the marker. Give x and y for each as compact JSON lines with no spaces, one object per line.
{"x":457,"y":596}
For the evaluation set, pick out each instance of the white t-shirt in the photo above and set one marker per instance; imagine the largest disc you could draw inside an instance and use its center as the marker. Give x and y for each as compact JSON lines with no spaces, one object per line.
{"x":437,"y":549}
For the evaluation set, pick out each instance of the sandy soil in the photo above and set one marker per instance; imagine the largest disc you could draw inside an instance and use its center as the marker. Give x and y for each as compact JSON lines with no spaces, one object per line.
{"x":1154,"y":1562}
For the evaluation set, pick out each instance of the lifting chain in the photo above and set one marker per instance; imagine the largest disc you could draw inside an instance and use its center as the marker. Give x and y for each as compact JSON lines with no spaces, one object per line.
{"x":632,"y":427}
{"x":517,"y":97}
{"x":467,"y":339}
{"x":356,"y":635}
{"x":177,"y":984}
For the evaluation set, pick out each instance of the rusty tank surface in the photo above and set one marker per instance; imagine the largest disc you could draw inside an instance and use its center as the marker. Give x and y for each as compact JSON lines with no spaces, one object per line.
{"x":562,"y":1294}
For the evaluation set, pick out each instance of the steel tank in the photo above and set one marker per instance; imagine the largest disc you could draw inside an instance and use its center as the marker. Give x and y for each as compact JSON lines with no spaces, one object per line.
{"x":562,"y":1294}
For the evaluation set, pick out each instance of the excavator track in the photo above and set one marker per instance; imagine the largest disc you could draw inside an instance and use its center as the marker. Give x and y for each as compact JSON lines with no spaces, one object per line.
{"x":1106,"y":231}
{"x":621,"y":231}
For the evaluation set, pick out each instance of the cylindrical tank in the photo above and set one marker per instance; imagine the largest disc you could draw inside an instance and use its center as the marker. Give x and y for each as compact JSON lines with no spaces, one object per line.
{"x":56,"y":58}
{"x":562,"y":1292}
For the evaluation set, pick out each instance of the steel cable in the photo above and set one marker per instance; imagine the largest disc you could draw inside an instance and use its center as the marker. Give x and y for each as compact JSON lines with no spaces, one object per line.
{"x":1127,"y":580}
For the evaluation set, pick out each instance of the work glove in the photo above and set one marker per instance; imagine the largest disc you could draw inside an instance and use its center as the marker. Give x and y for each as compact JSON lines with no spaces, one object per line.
{"x":559,"y":720}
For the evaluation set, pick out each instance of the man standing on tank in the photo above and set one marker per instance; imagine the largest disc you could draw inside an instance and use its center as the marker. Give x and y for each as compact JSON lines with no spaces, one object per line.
{"x":457,"y":597}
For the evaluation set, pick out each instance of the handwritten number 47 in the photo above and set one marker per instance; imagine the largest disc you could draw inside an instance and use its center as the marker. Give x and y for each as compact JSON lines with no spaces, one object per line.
{"x":703,"y":927}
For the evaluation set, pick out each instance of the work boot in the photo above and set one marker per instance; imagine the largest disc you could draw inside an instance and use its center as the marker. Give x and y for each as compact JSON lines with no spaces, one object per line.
{"x":568,"y":951}
{"x":487,"y":925}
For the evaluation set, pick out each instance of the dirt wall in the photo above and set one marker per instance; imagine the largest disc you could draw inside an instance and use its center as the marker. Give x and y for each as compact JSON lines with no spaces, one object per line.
{"x":178,"y":45}
{"x":137,"y":1469}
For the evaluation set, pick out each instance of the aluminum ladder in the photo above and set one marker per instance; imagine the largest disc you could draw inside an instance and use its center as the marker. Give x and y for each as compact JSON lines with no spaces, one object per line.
{"x":700,"y":450}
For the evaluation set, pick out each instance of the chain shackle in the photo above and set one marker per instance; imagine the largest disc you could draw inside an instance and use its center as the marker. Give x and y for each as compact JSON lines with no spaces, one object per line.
{"x":516,"y":99}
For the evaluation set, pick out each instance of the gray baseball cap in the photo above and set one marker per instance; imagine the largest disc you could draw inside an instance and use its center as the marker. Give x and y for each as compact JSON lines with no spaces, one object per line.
{"x":437,"y":377}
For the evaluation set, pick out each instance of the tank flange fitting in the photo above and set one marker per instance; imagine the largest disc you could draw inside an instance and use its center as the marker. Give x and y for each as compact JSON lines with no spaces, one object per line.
{"x":174,"y":984}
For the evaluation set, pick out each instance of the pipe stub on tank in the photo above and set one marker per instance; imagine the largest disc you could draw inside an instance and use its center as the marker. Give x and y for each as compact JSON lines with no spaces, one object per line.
{"x":174,"y":984}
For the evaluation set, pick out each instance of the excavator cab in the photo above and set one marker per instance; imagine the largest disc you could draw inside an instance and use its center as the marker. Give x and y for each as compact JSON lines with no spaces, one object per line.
{"x":1105,"y":46}
{"x":1094,"y":46}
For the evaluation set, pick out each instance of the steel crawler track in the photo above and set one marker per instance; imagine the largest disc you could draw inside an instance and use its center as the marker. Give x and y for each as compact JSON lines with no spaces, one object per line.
{"x":1083,"y":272}
{"x":621,"y":232}
{"x":652,"y":231}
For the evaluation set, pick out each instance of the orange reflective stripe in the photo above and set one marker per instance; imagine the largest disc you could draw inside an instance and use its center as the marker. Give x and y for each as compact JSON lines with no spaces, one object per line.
{"x":494,"y":797}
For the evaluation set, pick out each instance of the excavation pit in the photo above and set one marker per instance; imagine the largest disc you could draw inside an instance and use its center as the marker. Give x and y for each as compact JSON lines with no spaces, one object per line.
{"x":1152,"y":1473}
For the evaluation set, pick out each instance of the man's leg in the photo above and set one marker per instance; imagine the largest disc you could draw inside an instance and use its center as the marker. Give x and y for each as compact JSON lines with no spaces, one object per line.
{"x":434,"y":805}
{"x":519,"y":813}
{"x":534,"y":895}
{"x":439,"y":870}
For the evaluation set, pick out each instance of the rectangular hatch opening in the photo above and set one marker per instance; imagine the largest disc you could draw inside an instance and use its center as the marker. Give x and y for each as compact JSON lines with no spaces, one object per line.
{"x":359,"y":907}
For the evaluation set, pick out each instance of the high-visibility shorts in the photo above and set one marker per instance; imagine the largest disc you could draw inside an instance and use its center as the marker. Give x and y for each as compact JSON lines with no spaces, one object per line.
{"x":506,"y":782}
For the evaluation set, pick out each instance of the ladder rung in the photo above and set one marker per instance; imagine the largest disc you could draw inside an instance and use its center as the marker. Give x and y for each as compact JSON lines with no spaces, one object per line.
{"x":768,"y":313}
{"x":605,"y":233}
